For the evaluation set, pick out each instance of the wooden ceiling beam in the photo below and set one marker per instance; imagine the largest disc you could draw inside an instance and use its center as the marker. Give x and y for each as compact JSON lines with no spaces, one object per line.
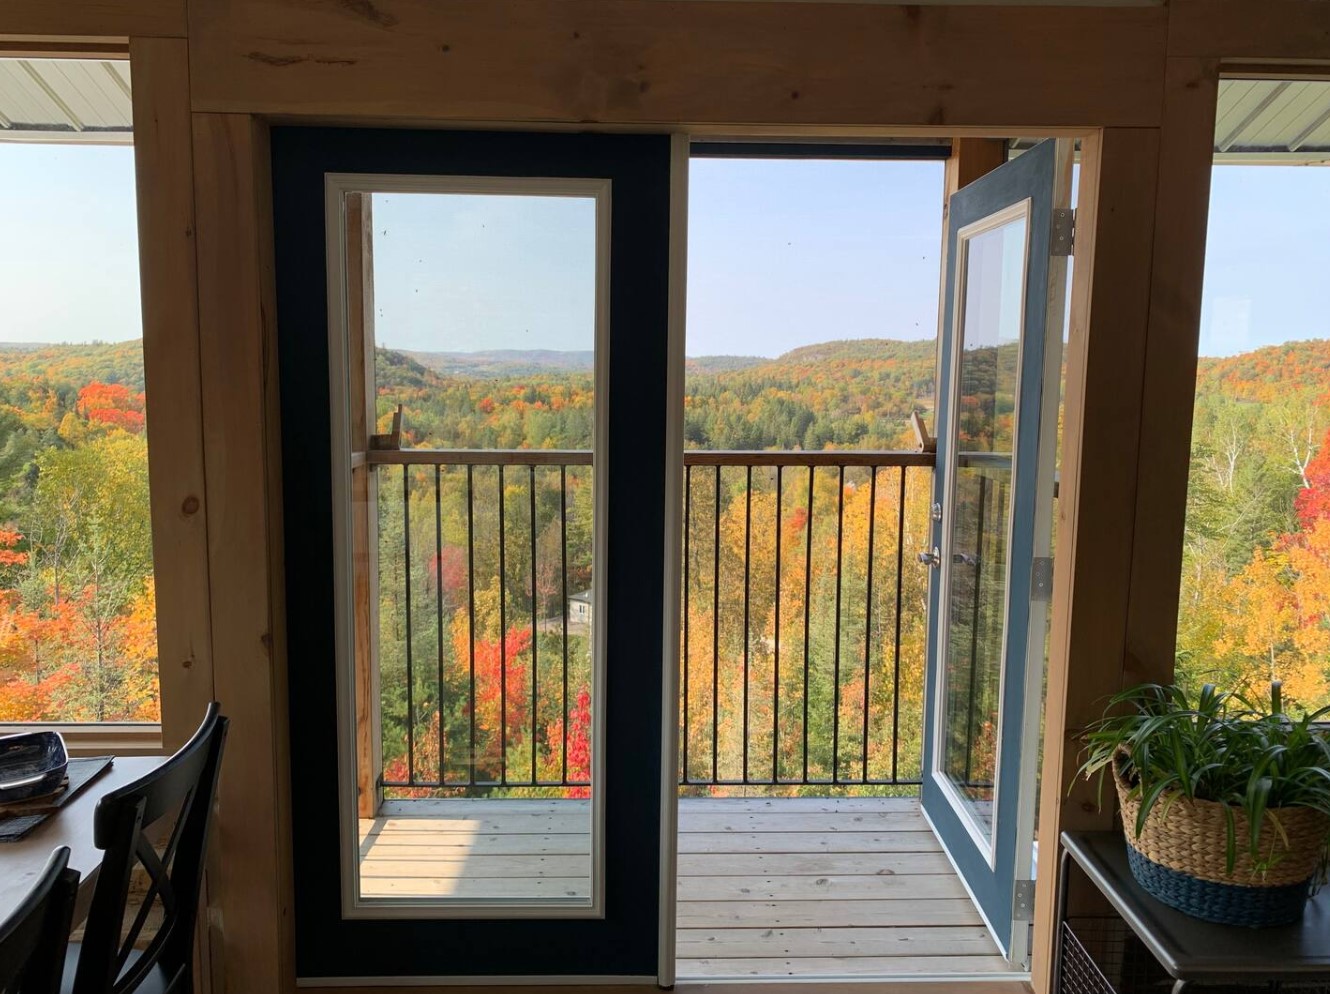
{"x":667,"y":63}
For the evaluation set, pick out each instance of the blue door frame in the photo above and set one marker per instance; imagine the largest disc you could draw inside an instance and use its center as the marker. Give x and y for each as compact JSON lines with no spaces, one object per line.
{"x":992,"y":862}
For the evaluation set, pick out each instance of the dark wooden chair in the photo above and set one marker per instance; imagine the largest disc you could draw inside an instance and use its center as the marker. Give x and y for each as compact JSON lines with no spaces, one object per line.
{"x":108,"y":960}
{"x":33,"y":938}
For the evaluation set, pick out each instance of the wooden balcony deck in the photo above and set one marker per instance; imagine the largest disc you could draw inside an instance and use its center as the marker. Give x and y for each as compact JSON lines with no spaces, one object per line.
{"x":782,"y":887}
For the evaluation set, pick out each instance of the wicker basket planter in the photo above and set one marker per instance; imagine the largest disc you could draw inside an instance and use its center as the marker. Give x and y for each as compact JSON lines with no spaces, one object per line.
{"x":1180,"y":858}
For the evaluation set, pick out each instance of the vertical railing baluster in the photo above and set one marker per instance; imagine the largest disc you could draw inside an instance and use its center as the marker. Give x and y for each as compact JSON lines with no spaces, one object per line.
{"x":775,"y":666}
{"x":808,"y":603}
{"x":687,"y":559}
{"x":503,"y":641}
{"x":896,"y":649}
{"x":471,"y":614}
{"x":438,"y":608}
{"x":868,"y":609}
{"x":715,"y":643}
{"x":748,"y":546}
{"x":974,"y":630}
{"x":835,"y":652}
{"x":563,"y":579}
{"x":535,"y":627}
{"x":410,"y":675}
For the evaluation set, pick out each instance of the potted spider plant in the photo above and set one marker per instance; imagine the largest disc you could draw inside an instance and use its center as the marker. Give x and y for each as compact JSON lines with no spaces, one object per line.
{"x":1225,"y":804}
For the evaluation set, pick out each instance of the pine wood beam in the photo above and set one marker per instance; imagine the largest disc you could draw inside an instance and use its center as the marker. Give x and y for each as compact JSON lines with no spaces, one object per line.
{"x":251,"y":898}
{"x":1105,"y":372}
{"x":165,"y":194}
{"x":653,"y":62}
{"x":101,"y":19}
{"x":1169,"y":389}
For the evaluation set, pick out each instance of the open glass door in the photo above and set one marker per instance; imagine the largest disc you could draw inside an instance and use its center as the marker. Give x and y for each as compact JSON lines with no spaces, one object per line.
{"x":475,"y":550}
{"x":1008,"y":235}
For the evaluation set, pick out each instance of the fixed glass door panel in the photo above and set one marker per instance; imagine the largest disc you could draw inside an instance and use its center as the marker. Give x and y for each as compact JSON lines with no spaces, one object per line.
{"x":471,"y":666}
{"x":476,"y":744}
{"x":996,"y":428}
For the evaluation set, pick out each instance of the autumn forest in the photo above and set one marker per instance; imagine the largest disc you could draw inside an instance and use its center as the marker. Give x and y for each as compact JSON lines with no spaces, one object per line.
{"x":479,"y":579}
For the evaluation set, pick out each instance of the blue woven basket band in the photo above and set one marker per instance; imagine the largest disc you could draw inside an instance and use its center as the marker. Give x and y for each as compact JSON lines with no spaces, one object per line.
{"x":1227,"y":904}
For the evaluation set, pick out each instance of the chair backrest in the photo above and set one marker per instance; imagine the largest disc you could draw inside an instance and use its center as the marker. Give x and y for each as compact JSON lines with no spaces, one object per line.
{"x":184,"y":785}
{"x":33,"y":938}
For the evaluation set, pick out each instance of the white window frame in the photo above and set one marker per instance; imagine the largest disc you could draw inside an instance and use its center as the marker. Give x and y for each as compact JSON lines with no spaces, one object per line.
{"x":336,"y":188}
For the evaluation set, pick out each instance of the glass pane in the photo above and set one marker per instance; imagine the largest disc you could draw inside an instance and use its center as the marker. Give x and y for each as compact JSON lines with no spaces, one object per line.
{"x":984,"y":437}
{"x":77,"y":593}
{"x":483,"y":326}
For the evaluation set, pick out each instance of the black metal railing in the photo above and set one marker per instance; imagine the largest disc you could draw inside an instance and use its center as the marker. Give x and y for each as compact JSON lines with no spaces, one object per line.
{"x":503,"y":702}
{"x":803,"y":632}
{"x":802,"y":626}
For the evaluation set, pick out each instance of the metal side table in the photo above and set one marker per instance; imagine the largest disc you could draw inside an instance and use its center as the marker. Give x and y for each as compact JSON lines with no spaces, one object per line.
{"x":1149,"y":944}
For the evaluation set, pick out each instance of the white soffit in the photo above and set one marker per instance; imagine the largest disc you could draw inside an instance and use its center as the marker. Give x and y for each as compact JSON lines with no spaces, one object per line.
{"x":1273,"y":120}
{"x":65,"y":100}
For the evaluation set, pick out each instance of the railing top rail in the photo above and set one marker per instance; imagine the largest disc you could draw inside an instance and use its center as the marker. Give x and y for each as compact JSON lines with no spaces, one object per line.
{"x":691,"y":457}
{"x":478,"y":457}
{"x":831,"y":457}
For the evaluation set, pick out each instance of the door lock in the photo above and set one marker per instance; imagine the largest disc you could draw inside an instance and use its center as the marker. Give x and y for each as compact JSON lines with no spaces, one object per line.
{"x":932,"y":559}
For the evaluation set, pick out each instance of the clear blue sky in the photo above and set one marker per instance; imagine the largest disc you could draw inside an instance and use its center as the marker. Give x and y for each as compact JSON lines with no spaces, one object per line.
{"x":781,"y":254}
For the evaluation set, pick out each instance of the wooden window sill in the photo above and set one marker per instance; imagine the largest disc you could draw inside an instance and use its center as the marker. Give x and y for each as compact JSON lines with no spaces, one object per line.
{"x":99,"y":738}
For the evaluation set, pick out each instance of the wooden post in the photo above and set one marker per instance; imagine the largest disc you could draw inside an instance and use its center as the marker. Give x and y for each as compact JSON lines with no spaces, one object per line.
{"x":364,"y":499}
{"x":971,"y":158}
{"x":1186,"y":160}
{"x":232,"y":200}
{"x":163,"y":166}
{"x":1105,"y":371}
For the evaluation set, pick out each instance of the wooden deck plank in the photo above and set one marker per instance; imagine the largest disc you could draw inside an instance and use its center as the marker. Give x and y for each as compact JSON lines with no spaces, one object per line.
{"x":459,"y":843}
{"x":795,"y":805}
{"x":826,"y":888}
{"x":836,"y":966}
{"x":807,"y":842}
{"x":702,"y":820}
{"x":477,"y":867}
{"x":768,"y":943}
{"x":826,"y":914}
{"x":471,"y":887}
{"x":768,"y":887}
{"x":781,"y":864}
{"x":523,"y":823}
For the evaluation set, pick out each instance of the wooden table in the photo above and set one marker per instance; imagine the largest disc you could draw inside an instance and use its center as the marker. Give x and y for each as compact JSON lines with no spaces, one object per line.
{"x":21,"y":863}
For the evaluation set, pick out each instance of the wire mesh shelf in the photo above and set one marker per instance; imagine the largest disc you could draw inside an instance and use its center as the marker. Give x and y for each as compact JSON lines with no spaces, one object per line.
{"x":1101,"y":955}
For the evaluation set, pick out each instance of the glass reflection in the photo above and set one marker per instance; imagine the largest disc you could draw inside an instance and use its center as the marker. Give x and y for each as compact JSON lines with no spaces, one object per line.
{"x":985,"y":431}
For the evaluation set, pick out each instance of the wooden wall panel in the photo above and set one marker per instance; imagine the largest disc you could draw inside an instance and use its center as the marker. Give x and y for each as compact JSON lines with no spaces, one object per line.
{"x":94,"y":18}
{"x":1105,"y":360}
{"x":252,"y":896}
{"x":652,"y":62}
{"x":1236,"y":30}
{"x":1173,"y":335}
{"x":165,"y":194}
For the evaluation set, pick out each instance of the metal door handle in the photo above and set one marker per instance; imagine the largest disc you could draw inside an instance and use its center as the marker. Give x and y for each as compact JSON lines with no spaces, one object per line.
{"x":932,"y":559}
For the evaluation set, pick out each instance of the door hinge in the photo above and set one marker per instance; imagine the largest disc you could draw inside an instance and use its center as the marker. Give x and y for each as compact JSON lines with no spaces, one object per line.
{"x":1022,"y":901}
{"x":1041,"y":579}
{"x":1064,"y":231}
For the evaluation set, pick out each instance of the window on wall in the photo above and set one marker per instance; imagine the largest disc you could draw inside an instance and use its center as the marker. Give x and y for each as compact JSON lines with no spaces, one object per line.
{"x":78,"y":640}
{"x":1255,"y":602}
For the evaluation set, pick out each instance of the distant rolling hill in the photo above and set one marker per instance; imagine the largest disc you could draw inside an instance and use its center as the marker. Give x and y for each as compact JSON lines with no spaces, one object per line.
{"x":502,"y":363}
